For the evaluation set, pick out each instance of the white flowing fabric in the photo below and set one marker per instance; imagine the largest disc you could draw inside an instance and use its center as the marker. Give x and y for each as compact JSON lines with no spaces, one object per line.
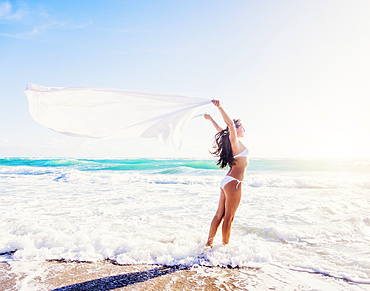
{"x":103,"y":112}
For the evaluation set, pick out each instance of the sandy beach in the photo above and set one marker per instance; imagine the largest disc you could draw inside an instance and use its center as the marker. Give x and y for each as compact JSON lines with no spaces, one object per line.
{"x":106,"y":275}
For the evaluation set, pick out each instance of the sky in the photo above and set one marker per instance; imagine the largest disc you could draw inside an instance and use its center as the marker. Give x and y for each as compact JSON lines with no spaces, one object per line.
{"x":296,"y":72}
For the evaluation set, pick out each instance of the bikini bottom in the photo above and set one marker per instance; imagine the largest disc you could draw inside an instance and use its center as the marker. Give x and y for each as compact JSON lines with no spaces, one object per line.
{"x":226,"y":180}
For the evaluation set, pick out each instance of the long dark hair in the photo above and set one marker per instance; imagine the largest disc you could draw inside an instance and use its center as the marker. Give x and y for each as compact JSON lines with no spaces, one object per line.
{"x":222,"y":147}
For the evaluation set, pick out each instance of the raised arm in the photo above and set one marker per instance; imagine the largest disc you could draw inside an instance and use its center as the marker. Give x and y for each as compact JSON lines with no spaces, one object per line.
{"x":209,"y":117}
{"x":229,"y":122}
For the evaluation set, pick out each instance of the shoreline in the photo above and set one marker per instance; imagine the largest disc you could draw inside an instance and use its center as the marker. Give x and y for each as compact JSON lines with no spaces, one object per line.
{"x":108,"y":275}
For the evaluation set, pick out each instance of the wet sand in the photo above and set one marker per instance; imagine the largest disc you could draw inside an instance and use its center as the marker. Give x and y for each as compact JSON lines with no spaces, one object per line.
{"x":106,"y":275}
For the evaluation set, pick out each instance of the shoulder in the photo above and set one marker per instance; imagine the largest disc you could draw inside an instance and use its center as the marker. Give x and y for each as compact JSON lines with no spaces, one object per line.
{"x":235,"y":143}
{"x":237,"y":146}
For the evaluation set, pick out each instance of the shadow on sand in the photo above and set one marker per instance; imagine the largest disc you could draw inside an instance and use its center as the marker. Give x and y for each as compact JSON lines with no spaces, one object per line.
{"x":119,"y":281}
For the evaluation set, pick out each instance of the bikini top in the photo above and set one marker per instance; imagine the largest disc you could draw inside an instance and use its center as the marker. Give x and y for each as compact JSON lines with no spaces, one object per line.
{"x":244,"y":153}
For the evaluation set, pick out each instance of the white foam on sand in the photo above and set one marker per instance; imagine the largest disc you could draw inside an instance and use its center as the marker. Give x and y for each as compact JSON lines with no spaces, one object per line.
{"x":305,"y":222}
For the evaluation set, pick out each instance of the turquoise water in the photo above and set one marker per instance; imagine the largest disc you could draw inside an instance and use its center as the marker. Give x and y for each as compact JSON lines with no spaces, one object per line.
{"x":168,"y":164}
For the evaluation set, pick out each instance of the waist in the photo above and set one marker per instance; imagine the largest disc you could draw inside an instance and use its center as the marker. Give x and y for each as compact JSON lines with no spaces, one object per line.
{"x":237,"y":172}
{"x":241,"y":162}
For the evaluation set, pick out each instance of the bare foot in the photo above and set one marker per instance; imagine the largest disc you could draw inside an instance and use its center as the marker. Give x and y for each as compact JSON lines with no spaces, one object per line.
{"x":209,"y":243}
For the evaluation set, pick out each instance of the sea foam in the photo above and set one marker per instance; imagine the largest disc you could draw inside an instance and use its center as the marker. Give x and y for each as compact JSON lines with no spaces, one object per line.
{"x":316,"y":221}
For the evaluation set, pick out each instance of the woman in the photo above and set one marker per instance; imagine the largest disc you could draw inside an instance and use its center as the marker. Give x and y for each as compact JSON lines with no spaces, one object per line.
{"x":231,"y":152}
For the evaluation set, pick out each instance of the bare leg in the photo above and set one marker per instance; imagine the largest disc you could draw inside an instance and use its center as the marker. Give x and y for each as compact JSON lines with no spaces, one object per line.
{"x":233,"y":196}
{"x":216,"y":221}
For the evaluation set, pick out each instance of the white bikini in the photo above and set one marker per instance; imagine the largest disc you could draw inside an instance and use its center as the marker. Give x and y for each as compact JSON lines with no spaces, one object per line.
{"x":227,"y":179}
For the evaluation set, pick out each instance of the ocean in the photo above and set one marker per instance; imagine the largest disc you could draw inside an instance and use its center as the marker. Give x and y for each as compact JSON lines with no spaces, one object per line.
{"x":309,"y":216}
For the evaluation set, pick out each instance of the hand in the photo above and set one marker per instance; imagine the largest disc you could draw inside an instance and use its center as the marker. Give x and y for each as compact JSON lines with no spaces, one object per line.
{"x":207,"y":116}
{"x":216,"y":103}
